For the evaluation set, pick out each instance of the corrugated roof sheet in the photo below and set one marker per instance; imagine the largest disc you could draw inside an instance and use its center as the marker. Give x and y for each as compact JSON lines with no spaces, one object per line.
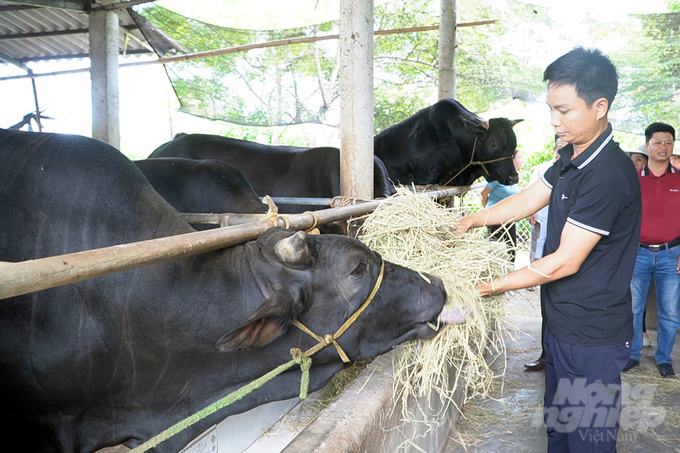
{"x":32,"y":33}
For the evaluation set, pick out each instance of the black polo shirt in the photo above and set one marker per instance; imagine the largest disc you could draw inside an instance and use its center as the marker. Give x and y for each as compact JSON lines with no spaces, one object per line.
{"x":598,"y":191}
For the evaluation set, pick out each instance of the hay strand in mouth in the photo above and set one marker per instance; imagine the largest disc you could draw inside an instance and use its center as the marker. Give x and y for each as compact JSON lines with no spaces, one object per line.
{"x":416,"y":232}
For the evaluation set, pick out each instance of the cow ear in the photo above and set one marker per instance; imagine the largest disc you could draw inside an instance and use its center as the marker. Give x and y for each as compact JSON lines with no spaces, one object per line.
{"x":293,"y":249}
{"x":271,"y":320}
{"x":513,"y":122}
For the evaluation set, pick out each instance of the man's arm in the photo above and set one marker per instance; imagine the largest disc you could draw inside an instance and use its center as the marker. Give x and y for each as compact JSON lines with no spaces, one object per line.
{"x":511,"y":209}
{"x":575,"y":245}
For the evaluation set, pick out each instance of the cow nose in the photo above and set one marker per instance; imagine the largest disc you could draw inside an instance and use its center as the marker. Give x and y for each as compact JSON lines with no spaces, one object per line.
{"x":434,"y":280}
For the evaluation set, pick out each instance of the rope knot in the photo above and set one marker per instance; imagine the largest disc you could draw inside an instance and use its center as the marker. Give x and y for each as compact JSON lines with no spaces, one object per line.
{"x":297,"y":355}
{"x":328,"y":339}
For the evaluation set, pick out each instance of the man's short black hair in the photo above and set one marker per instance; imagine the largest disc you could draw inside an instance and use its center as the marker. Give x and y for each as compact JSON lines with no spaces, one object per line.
{"x":658,"y":127}
{"x":591,"y":73}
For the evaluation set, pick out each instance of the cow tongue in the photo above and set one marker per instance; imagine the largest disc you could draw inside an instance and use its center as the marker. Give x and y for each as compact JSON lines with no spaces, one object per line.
{"x":452,"y":315}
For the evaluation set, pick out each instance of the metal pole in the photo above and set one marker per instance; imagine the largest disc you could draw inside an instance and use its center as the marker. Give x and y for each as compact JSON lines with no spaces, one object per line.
{"x":244,"y":48}
{"x":35,"y":100}
{"x":39,"y":274}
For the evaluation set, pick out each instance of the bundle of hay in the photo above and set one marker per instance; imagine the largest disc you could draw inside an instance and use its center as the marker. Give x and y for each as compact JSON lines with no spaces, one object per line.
{"x":415,"y":231}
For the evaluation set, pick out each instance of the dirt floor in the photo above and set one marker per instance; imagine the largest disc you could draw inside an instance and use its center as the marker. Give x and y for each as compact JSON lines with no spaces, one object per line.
{"x":512,"y":421}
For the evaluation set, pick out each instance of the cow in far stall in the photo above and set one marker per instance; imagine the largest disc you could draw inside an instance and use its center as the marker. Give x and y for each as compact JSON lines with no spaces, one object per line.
{"x":446,"y":144}
{"x":201,"y":186}
{"x":277,"y":171}
{"x":209,"y":186}
{"x":121,"y":357}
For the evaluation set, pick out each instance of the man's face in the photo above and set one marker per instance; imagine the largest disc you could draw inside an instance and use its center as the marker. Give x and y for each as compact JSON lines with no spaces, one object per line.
{"x":660,"y":147}
{"x":517,"y":159}
{"x":573,"y":121}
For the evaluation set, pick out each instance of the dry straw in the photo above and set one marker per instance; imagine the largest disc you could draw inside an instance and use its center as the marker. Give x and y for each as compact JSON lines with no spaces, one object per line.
{"x":417,"y":232}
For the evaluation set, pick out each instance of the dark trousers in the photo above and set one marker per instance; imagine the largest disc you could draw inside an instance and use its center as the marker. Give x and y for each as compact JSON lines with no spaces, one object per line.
{"x":582,"y":403}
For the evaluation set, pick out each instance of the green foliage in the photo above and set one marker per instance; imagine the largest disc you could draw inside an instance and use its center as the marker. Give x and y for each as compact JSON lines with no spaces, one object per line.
{"x":530,"y":161}
{"x":495,"y":64}
{"x":299,"y":83}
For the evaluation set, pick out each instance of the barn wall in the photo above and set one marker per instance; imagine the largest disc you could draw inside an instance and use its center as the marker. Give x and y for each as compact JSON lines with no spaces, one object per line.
{"x":362,"y":418}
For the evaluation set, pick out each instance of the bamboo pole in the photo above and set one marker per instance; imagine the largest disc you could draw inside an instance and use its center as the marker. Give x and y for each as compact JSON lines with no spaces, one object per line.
{"x":44,"y":273}
{"x":245,"y":48}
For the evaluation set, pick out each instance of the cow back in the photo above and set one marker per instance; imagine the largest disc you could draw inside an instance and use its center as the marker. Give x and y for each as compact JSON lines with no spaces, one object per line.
{"x":277,"y":171}
{"x":201,"y":186}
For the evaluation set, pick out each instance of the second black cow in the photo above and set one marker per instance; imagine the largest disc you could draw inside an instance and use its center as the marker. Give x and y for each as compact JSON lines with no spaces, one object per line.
{"x":277,"y":171}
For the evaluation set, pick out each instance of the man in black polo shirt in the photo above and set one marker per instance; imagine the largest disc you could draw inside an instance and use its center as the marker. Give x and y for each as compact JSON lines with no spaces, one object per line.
{"x":591,"y":245}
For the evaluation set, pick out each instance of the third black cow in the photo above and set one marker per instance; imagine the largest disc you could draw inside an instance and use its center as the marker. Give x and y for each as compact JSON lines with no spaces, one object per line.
{"x":446,"y":144}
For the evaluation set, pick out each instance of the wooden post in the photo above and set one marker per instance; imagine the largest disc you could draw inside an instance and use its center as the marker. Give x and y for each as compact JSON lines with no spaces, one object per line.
{"x":356,"y":98}
{"x":447,"y":50}
{"x":104,"y":76}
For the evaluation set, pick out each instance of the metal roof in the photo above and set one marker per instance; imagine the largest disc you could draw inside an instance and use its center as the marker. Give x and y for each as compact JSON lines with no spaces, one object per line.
{"x":34,"y":30}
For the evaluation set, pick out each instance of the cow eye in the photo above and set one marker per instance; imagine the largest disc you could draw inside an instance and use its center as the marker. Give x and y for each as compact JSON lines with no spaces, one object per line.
{"x":359,"y":270}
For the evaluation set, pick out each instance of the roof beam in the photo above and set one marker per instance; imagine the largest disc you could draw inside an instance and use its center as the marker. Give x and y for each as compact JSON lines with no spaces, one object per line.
{"x":14,"y":61}
{"x":63,"y":4}
{"x":44,"y":34}
{"x":72,"y":4}
{"x":121,"y":5}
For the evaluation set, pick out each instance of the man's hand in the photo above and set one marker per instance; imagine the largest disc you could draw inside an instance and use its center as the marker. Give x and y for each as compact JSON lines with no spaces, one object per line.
{"x":575,"y":246}
{"x":464,"y":225}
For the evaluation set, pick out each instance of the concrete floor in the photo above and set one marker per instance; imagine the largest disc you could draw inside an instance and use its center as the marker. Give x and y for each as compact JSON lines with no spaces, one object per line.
{"x":511,"y":420}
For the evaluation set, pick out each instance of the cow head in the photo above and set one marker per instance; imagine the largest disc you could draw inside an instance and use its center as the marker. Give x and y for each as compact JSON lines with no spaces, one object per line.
{"x":321,"y":281}
{"x":494,"y":148}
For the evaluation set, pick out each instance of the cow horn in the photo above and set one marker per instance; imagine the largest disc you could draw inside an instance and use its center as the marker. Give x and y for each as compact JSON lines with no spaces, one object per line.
{"x":513,"y":122}
{"x":293,"y":249}
{"x":484,"y":123}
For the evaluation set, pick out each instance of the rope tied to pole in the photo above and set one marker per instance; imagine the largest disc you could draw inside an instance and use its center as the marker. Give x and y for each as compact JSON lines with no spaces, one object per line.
{"x":303,"y":359}
{"x":312,"y":229}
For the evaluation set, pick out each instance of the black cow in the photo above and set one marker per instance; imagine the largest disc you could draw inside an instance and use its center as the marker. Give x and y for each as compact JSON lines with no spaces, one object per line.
{"x":201,"y":186}
{"x":277,"y":171}
{"x":207,"y":186}
{"x":119,"y":358}
{"x":436,"y":145}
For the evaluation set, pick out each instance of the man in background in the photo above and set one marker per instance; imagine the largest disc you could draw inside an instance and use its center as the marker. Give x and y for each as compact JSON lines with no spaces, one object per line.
{"x":539,"y":226}
{"x":639,"y":156}
{"x":658,"y":256}
{"x":494,"y":192}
